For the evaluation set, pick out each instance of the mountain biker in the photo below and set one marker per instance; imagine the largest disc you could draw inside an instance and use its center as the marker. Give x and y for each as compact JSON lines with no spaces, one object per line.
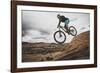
{"x":64,"y":20}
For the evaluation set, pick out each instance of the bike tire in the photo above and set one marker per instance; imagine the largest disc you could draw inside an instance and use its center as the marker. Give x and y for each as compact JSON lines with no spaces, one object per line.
{"x":57,"y":40}
{"x":74,"y":30}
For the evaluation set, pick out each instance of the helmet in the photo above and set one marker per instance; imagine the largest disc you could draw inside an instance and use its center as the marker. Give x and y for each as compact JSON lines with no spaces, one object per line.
{"x":58,"y":15}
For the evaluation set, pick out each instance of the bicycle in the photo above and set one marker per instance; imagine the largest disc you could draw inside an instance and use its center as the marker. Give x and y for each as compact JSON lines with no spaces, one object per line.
{"x":59,"y":35}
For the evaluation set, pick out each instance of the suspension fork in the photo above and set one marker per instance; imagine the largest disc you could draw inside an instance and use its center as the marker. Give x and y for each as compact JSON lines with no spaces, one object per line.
{"x":60,"y":33}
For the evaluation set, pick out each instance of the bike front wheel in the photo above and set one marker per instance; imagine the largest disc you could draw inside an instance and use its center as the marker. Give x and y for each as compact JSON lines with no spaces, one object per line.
{"x":73,"y":30}
{"x":59,"y":37}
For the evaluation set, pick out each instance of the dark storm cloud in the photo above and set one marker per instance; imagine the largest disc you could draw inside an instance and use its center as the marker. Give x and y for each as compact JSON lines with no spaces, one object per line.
{"x":39,"y":38}
{"x":44,"y":32}
{"x":30,"y":21}
{"x":26,"y":27}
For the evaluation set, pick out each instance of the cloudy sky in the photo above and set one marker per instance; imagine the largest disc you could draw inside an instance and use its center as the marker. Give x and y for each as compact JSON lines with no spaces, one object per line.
{"x":39,"y":26}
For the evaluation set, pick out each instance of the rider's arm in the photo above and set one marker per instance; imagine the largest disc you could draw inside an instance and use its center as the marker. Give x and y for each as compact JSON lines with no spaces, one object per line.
{"x":59,"y":23}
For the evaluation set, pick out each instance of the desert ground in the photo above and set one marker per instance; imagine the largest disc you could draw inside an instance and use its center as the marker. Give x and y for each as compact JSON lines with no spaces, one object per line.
{"x":77,"y":49}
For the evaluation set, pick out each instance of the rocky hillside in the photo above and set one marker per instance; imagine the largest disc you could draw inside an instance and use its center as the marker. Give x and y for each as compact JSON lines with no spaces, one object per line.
{"x":78,"y":48}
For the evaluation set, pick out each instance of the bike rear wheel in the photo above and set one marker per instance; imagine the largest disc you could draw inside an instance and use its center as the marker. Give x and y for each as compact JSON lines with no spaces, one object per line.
{"x":59,"y":37}
{"x":73,"y":30}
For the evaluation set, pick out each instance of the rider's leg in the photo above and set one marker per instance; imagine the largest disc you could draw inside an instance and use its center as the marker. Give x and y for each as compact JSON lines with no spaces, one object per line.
{"x":66,"y":24}
{"x":66,"y":27}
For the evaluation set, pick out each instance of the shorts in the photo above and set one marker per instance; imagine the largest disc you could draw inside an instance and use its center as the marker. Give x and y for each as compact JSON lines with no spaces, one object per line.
{"x":66,"y":22}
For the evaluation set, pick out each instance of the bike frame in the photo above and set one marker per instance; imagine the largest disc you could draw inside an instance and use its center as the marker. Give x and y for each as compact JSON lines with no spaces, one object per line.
{"x":61,"y":27}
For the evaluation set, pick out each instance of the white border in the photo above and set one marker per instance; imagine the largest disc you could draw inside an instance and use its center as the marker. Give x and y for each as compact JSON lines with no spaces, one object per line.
{"x":52,"y":63}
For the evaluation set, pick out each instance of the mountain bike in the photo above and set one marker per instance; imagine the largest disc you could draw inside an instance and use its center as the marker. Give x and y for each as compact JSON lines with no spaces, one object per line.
{"x":59,"y":35}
